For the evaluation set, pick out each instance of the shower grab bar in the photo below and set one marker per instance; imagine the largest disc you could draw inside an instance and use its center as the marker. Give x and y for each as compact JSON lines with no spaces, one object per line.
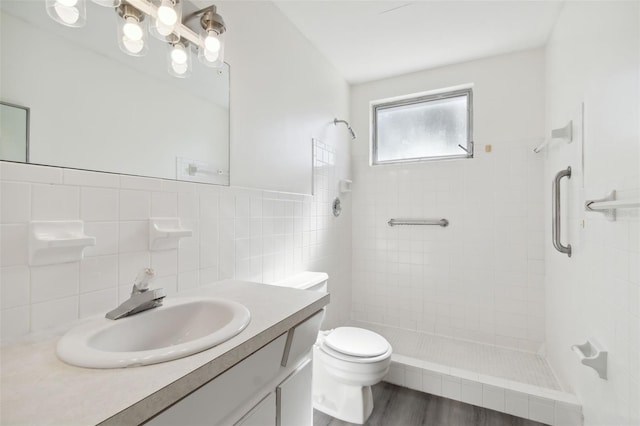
{"x":555,"y":210}
{"x":438,"y":222}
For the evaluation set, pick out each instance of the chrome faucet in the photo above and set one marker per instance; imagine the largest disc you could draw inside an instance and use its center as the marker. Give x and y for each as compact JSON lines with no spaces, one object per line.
{"x":142,"y":298}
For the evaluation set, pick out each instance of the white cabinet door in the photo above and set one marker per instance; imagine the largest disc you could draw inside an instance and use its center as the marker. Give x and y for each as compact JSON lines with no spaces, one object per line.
{"x":294,"y":398}
{"x":263,"y":414}
{"x":214,"y":402}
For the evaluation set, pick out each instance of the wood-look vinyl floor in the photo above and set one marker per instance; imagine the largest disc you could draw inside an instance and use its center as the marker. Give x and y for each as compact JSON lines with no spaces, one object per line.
{"x":398,"y":406}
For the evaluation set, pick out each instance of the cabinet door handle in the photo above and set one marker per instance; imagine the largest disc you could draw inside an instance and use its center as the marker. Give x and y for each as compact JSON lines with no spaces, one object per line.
{"x":555,"y":212}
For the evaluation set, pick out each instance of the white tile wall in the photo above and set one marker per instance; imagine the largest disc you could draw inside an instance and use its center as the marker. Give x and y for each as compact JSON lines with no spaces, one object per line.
{"x":482,"y":277}
{"x":594,"y":294}
{"x":238,"y":233}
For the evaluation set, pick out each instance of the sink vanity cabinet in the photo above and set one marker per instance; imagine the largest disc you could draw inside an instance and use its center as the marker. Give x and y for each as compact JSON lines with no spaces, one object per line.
{"x":268,"y":388}
{"x":259,"y":377}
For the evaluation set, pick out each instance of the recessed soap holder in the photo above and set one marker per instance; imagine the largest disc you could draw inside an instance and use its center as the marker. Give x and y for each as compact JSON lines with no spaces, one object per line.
{"x":345,"y":186}
{"x":52,"y":242}
{"x":592,"y":355}
{"x":165,"y":233}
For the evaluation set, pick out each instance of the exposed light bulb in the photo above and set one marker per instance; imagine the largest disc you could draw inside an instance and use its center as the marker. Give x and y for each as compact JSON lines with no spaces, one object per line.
{"x":211,"y":56}
{"x":180,"y":69}
{"x":68,"y":14}
{"x":132,"y":29}
{"x":212,"y":42}
{"x":167,"y":15}
{"x":108,"y":3}
{"x":162,"y":29}
{"x":179,"y":55}
{"x":133,"y":46}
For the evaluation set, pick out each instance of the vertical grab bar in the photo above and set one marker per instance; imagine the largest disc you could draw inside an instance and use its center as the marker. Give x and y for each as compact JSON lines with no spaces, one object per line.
{"x":555,"y":210}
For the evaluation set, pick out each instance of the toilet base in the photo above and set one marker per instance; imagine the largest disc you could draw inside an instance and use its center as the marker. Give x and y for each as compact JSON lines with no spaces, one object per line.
{"x":348,"y":403}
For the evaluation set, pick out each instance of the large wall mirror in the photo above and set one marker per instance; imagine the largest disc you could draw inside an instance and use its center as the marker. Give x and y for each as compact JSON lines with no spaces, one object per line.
{"x":94,"y":108}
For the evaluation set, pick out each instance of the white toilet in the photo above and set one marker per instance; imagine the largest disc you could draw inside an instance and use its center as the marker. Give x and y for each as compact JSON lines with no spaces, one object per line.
{"x":346,"y":362}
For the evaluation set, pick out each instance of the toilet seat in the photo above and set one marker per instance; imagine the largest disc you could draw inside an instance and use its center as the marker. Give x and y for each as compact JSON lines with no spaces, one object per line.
{"x":355,"y":345}
{"x":355,"y":359}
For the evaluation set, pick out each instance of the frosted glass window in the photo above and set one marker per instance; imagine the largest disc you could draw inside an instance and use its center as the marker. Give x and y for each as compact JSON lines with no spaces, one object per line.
{"x":424,"y":128}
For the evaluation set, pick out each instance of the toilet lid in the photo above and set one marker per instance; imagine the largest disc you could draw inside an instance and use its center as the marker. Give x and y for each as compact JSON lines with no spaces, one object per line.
{"x":356,"y":342}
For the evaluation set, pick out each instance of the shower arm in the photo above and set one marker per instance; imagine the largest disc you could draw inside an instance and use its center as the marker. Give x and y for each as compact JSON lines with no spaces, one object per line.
{"x":346,"y":123}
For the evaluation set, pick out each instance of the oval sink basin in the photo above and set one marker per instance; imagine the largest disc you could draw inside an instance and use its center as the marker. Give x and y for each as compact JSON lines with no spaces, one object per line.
{"x":179,"y":328}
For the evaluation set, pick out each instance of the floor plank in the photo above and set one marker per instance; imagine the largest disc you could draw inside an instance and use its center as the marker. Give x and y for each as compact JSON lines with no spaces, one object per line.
{"x":398,"y":406}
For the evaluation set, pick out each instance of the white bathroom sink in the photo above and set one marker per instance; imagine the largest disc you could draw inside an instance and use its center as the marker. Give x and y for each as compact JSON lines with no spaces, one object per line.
{"x":179,"y":328}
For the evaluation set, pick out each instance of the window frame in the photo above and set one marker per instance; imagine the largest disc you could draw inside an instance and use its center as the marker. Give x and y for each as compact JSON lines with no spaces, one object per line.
{"x":381,"y":105}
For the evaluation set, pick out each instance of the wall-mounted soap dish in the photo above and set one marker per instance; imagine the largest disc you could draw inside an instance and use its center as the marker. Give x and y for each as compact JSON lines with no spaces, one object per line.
{"x":165,"y":233}
{"x":592,"y":355}
{"x":52,"y":242}
{"x":345,"y":186}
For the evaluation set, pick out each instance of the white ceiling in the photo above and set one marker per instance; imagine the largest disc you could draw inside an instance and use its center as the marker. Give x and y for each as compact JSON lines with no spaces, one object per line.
{"x":369,"y":40}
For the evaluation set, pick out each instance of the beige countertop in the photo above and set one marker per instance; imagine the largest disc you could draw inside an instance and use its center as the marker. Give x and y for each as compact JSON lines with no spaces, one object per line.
{"x":37,"y":388}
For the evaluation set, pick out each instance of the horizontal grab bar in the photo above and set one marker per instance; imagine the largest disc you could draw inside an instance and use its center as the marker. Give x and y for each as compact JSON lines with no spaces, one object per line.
{"x":438,"y":222}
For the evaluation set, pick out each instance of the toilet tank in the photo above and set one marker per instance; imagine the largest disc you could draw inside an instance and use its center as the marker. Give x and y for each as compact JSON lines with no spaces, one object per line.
{"x":314,"y":281}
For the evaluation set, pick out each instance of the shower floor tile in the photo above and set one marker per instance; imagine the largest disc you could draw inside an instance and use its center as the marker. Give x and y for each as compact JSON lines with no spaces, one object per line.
{"x":518,"y":366}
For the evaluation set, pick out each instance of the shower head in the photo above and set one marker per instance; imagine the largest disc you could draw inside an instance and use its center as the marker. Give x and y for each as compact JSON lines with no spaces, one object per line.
{"x":336,"y":121}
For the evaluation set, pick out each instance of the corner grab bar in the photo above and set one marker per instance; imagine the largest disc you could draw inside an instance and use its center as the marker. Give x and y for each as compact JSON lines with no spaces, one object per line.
{"x":555,"y":212}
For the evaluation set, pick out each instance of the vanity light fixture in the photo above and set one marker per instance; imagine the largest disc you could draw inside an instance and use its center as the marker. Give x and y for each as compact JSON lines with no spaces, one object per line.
{"x":71,"y":13}
{"x":165,"y":23}
{"x":168,"y":16}
{"x":131,"y":34}
{"x":179,"y":58}
{"x":211,"y":46}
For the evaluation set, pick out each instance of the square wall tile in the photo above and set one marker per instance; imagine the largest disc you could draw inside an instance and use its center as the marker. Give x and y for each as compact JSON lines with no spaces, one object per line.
{"x":165,"y":262}
{"x":568,"y":415}
{"x":15,"y":283}
{"x":471,"y":392}
{"x":451,"y":387}
{"x":51,"y":282}
{"x":141,"y":183}
{"x":208,"y":275}
{"x":14,"y":322}
{"x":395,"y":375}
{"x":54,"y":313}
{"x":227,"y":207}
{"x":432,"y":383}
{"x":55,"y":202}
{"x":208,"y":256}
{"x":134,"y":236}
{"x":15,"y":202}
{"x":541,"y":410}
{"x":107,"y":238}
{"x":413,"y":378}
{"x":99,"y":204}
{"x":31,"y":173}
{"x":134,"y":205}
{"x":516,"y":404}
{"x":164,"y":204}
{"x":13,"y":244}
{"x":98,"y":273}
{"x":86,"y":178}
{"x":187,"y":206}
{"x":129,"y":265}
{"x":97,"y":302}
{"x":493,"y":397}
{"x":189,"y":254}
{"x":168,"y":283}
{"x":188,"y":280}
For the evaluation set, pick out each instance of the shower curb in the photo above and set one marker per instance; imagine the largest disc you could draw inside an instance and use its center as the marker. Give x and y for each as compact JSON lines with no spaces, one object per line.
{"x":549,"y":406}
